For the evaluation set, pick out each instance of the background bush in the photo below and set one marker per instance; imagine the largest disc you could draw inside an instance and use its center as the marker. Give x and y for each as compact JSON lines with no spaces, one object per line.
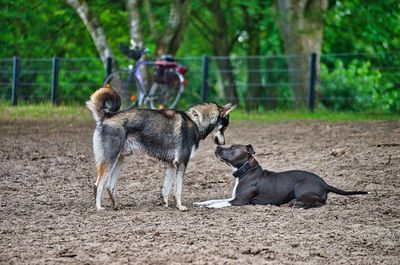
{"x":357,"y":87}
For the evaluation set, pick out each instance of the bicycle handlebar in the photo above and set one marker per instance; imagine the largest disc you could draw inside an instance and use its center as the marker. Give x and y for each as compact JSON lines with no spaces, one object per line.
{"x":135,"y":53}
{"x":168,"y":58}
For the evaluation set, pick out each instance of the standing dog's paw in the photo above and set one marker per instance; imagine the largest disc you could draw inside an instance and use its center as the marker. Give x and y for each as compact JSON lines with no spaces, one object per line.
{"x":182,"y":208}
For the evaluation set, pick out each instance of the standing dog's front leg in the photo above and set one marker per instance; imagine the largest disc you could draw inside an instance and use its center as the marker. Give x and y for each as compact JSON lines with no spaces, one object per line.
{"x":170,"y":173}
{"x":180,"y":175}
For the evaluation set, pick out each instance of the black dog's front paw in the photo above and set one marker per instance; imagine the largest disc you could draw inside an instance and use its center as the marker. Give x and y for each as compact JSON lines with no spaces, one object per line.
{"x":199,"y":204}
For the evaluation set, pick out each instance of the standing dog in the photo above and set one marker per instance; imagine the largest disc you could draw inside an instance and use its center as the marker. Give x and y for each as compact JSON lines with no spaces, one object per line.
{"x":169,"y":135}
{"x":257,"y":186}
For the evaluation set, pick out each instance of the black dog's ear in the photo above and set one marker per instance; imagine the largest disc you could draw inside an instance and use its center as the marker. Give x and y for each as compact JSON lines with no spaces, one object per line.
{"x":249,"y":149}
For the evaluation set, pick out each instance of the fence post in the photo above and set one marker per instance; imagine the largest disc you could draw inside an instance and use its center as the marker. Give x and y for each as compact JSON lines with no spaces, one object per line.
{"x":54,"y":81}
{"x":204,"y":78}
{"x":14,"y":92}
{"x":312,"y":81}
{"x":108,"y":66}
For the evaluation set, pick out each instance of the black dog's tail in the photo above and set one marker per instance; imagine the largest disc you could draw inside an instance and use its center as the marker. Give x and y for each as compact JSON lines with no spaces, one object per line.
{"x":342,"y":192}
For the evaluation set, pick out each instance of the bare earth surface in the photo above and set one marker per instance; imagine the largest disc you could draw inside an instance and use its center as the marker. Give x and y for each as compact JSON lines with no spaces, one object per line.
{"x":47,"y":210}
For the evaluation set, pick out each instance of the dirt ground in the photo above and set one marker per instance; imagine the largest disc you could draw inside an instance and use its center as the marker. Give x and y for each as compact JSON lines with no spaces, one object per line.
{"x":48,"y":215}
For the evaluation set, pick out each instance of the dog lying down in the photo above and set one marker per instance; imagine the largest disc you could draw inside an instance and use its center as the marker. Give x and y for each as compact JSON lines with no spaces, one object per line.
{"x":255,"y":185}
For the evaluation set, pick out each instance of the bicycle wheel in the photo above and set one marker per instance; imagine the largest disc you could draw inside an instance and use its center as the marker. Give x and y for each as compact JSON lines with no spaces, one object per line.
{"x":166,"y":95}
{"x":127,"y":86}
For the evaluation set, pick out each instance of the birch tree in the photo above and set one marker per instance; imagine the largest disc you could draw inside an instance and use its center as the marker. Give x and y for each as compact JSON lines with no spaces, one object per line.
{"x":136,"y":37}
{"x":167,"y":40}
{"x":93,"y":26}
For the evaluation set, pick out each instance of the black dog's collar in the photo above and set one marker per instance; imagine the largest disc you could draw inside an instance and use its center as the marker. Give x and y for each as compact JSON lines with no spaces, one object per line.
{"x":250,"y":164}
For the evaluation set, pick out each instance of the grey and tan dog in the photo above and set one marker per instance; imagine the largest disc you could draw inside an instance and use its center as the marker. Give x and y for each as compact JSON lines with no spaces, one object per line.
{"x":255,"y":185}
{"x":169,"y":135}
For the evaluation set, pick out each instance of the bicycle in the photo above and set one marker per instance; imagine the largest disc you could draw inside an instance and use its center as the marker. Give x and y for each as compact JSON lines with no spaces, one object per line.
{"x":132,"y":83}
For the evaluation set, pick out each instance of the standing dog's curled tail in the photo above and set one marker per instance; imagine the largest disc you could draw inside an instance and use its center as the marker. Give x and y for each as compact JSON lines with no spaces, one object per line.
{"x":103,"y":101}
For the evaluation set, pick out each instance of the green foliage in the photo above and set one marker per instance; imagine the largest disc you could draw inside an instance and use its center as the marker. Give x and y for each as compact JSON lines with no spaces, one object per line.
{"x":363,"y":26}
{"x":321,"y":114}
{"x":79,"y":78}
{"x":52,"y":28}
{"x":357,"y":87}
{"x":43,"y":29}
{"x":43,"y":111}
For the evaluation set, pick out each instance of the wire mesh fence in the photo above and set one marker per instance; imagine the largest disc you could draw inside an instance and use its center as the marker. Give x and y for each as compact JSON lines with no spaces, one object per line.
{"x":6,"y":73}
{"x":259,"y":80}
{"x":342,"y":81}
{"x":360,"y":82}
{"x":79,"y":78}
{"x":34,"y":84}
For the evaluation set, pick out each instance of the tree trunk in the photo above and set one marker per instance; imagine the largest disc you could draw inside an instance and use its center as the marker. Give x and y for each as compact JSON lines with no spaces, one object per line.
{"x":301,"y":26}
{"x":223,"y":43}
{"x":227,"y":77}
{"x":170,"y":40}
{"x":255,"y":88}
{"x":272,"y":79}
{"x":136,"y":37}
{"x":93,"y":26}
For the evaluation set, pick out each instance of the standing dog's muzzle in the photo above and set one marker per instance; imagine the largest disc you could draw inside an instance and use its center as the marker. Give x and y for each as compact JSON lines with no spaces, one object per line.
{"x":219,"y":137}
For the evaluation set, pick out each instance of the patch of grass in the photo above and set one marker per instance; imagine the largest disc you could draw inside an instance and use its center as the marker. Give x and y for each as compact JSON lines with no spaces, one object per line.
{"x":47,"y":111}
{"x":323,"y":115}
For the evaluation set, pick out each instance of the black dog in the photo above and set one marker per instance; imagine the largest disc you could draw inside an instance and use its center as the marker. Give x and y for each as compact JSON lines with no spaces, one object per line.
{"x":257,"y":186}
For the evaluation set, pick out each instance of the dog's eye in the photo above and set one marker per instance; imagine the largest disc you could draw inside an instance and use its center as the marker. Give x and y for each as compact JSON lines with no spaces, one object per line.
{"x":224,"y":121}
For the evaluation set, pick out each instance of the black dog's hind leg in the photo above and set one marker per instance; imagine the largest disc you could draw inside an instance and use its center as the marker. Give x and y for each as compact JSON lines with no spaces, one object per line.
{"x":309,"y":200}
{"x":244,"y":195}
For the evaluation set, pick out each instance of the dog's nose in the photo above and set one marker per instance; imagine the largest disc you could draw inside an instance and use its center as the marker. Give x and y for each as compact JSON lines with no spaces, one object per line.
{"x":217,"y":141}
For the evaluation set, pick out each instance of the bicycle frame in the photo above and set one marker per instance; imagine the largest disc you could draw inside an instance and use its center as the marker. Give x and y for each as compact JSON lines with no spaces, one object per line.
{"x":139,"y":76}
{"x":136,"y":68}
{"x":142,"y":97}
{"x":154,"y":88}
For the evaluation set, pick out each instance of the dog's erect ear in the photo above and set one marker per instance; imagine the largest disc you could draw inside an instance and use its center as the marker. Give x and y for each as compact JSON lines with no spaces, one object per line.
{"x":250,"y":149}
{"x":227,"y":108}
{"x":194,"y":113}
